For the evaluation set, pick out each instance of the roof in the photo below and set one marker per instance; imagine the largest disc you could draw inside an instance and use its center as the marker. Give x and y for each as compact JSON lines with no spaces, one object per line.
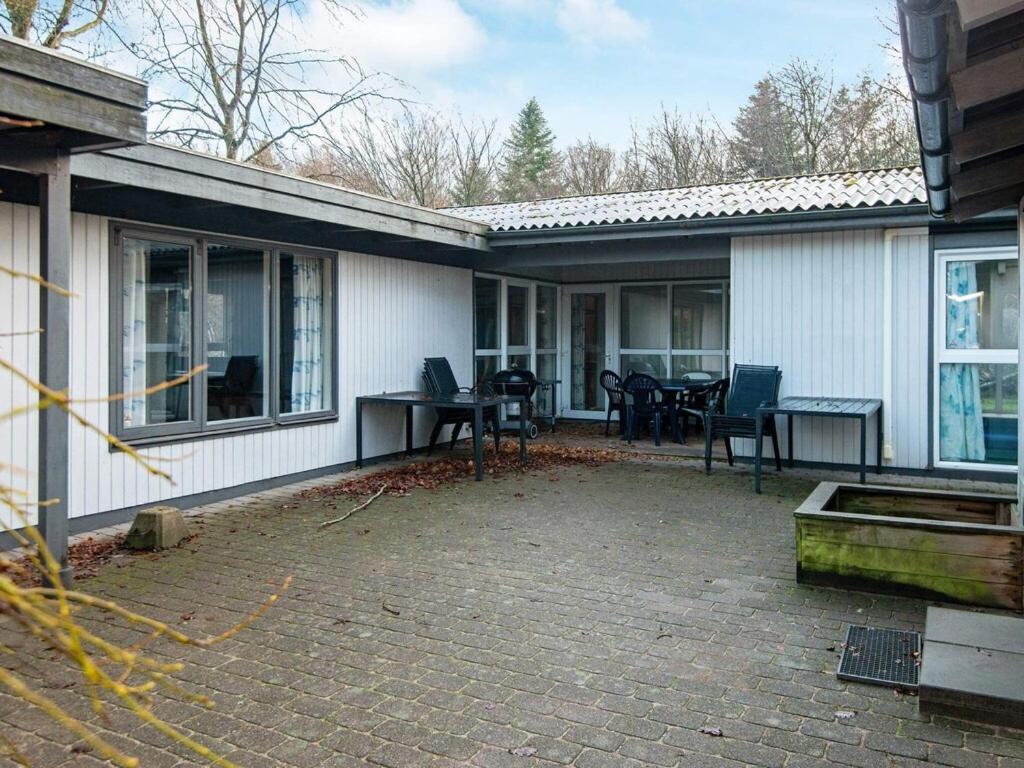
{"x":790,"y":194}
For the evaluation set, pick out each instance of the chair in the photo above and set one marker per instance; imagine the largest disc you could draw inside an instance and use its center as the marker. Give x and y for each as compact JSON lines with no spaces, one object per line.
{"x":440,"y":382}
{"x":752,"y":386}
{"x":647,"y":403}
{"x":236,"y":388}
{"x":612,"y":385}
{"x":694,"y":404}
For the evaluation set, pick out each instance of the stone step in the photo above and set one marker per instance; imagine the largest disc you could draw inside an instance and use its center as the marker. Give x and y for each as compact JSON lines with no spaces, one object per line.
{"x":973,"y":667}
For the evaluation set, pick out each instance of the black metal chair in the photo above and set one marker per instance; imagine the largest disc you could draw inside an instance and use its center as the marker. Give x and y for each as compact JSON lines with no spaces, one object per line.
{"x":752,"y":387}
{"x":612,"y":386}
{"x":646,"y":403}
{"x":440,"y":382}
{"x":236,"y":390}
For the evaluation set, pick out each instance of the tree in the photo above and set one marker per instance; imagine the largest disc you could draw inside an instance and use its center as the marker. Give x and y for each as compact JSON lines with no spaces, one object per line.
{"x":531,"y":162}
{"x":589,"y":168}
{"x":475,"y":161}
{"x":229,"y":77}
{"x":764,"y":139}
{"x":673,"y":151}
{"x":51,"y":23}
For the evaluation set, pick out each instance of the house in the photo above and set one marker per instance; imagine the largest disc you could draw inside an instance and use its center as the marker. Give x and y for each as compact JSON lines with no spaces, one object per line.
{"x":298,"y":296}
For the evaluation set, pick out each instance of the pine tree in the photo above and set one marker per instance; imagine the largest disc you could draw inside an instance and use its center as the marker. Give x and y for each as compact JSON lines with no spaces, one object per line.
{"x":531,"y":163}
{"x":765,"y":139}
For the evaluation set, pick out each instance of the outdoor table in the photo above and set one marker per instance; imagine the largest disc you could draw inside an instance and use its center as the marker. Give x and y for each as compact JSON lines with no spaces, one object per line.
{"x":458,"y":401}
{"x":551,"y":384}
{"x":835,"y":407}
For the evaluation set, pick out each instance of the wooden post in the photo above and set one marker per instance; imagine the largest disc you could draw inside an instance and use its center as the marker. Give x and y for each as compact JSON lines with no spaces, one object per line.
{"x":54,"y":353}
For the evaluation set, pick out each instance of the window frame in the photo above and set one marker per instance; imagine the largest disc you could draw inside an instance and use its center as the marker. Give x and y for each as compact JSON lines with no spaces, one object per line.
{"x":199,"y":426}
{"x":942,"y":356}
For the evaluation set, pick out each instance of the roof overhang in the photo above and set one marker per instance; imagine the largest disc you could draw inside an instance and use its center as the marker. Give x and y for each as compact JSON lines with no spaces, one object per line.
{"x":965,"y":64}
{"x":52,"y":101}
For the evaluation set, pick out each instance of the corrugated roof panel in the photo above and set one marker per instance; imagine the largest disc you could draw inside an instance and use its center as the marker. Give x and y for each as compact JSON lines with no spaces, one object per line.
{"x":858,"y":189}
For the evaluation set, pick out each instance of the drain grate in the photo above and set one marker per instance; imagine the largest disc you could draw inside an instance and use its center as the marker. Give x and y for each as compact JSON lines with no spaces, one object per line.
{"x":881,"y":656}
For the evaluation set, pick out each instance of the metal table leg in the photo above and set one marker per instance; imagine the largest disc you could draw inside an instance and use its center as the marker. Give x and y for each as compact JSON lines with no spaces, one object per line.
{"x":881,"y":442}
{"x":789,"y":439}
{"x":758,"y":439}
{"x":408,"y":430}
{"x":522,"y":432}
{"x":478,"y":441}
{"x":554,"y":407}
{"x":863,"y":448}
{"x":359,"y":432}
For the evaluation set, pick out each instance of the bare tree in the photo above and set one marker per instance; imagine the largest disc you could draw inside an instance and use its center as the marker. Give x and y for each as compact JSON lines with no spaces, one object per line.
{"x":475,"y":160}
{"x":589,"y":168}
{"x":230,"y":76}
{"x":51,"y":23}
{"x":673,"y":151}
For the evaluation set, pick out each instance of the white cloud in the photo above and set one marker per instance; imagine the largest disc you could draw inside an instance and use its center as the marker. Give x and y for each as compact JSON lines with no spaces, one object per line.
{"x":405,"y":38}
{"x":598,"y":21}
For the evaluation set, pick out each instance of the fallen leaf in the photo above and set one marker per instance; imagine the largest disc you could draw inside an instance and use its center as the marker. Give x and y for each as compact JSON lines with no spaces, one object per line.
{"x":392,"y":611}
{"x":523,"y":751}
{"x":710,"y":731}
{"x":845,"y":714}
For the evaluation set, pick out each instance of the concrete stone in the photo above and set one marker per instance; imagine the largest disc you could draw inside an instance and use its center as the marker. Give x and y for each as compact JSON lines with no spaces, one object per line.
{"x":157,"y":528}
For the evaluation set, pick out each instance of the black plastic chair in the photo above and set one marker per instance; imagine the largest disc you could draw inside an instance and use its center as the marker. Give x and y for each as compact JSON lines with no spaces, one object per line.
{"x":752,"y":387}
{"x":646,"y":403}
{"x":440,"y":382}
{"x":612,"y":385}
{"x":694,"y":404}
{"x":237,"y":388}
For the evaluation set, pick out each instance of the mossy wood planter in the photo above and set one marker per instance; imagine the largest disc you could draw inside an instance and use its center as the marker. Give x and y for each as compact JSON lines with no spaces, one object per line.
{"x":941,"y":545}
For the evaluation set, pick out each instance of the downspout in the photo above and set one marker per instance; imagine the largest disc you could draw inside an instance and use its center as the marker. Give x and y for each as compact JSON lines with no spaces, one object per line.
{"x":923,"y":34}
{"x":888,"y":376}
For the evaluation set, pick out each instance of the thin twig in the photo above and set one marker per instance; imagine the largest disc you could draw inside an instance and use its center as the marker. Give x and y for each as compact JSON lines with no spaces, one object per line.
{"x":352,"y":511}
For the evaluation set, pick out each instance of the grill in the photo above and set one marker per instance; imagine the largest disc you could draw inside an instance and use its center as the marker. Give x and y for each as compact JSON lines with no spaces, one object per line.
{"x":881,"y":657}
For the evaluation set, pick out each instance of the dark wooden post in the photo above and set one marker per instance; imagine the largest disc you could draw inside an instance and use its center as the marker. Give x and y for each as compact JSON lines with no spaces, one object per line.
{"x":54,"y":353}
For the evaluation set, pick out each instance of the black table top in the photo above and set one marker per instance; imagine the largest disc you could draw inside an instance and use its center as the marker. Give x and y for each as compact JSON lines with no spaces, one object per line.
{"x":685,"y":385}
{"x":825,"y":406}
{"x":459,"y":399}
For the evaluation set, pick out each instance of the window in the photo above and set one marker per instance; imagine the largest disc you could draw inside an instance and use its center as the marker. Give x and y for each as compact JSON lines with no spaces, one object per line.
{"x":487,"y":327}
{"x":546,"y":340}
{"x":977,"y":311}
{"x":260,"y":319}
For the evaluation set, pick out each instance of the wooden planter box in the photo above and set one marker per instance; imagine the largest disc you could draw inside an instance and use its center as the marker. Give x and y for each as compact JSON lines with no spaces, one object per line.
{"x":940,"y":545}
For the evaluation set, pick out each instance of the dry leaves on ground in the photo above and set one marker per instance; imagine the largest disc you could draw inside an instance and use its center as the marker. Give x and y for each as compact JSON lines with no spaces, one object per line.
{"x":85,"y":557}
{"x":434,"y":474}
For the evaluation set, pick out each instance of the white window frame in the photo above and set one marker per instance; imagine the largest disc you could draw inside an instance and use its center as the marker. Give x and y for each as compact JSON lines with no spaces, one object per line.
{"x":667,"y":352}
{"x":980,"y":356}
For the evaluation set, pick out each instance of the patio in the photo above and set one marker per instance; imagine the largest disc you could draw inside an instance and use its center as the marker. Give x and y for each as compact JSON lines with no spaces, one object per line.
{"x":450,"y":626}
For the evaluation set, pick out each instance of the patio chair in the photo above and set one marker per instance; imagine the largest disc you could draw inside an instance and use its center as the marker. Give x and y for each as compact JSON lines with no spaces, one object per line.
{"x":440,"y":382}
{"x":612,"y":385}
{"x":752,"y":386}
{"x":694,"y":404}
{"x":235,"y":391}
{"x":647,"y":403}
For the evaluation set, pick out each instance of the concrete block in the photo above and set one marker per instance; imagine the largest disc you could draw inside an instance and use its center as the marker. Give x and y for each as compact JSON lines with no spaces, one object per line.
{"x":157,"y":528}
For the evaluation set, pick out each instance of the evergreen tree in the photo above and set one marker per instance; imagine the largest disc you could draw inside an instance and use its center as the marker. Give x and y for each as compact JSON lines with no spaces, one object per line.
{"x":530,"y":167}
{"x":765,"y":141}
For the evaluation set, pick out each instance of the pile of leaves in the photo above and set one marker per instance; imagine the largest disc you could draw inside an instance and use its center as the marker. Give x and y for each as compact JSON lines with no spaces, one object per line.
{"x":430,"y":475}
{"x":85,"y":557}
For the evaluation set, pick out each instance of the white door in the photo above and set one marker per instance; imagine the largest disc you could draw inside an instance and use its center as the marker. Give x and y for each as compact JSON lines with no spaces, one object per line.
{"x":589,"y":344}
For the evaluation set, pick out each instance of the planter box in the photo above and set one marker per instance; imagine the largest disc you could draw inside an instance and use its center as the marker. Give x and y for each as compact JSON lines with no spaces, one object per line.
{"x":941,"y":545}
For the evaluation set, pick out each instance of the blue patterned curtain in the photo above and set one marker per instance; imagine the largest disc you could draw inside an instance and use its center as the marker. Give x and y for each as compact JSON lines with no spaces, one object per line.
{"x":961,"y":428}
{"x":308,"y":331}
{"x":133,"y":332}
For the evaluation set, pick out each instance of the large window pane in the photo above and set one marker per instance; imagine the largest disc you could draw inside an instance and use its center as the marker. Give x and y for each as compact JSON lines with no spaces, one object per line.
{"x":547,"y":317}
{"x":978,"y":413}
{"x":486,"y":367}
{"x":547,"y":370}
{"x":587,"y":353}
{"x":982,"y":304}
{"x":236,"y":332}
{"x":697,"y":366}
{"x":518,"y":316}
{"x":697,"y":316}
{"x":487,"y":303}
{"x":519,"y":362}
{"x":652,"y":365}
{"x":644,"y":317}
{"x":156,"y":330}
{"x":306,"y":316}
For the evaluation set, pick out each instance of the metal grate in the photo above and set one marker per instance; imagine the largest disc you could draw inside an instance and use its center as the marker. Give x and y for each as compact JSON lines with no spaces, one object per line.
{"x":881,"y":656}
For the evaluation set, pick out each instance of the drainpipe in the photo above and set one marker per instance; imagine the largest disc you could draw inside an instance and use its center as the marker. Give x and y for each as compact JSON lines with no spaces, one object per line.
{"x":888,"y":377}
{"x":923,"y":35}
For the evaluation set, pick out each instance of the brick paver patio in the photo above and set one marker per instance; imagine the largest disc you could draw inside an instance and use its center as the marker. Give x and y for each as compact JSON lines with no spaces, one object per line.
{"x":601,"y":616}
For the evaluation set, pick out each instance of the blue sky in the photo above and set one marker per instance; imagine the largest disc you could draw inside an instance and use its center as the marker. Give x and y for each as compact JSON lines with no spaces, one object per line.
{"x":597,"y":65}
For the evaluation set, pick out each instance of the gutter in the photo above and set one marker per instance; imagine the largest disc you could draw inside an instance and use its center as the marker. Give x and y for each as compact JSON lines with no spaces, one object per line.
{"x":906,"y":215}
{"x":925,"y":58}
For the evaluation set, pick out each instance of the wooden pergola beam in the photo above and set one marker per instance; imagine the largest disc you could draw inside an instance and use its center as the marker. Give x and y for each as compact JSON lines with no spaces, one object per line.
{"x":988,"y":138}
{"x":989,"y":177}
{"x":969,"y":207}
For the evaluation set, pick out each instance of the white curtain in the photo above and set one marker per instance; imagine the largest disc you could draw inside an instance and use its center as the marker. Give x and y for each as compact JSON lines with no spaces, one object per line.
{"x":133,"y":332}
{"x":308,"y":335}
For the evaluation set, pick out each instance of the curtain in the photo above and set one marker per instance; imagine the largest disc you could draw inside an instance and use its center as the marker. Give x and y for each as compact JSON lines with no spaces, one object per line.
{"x":579,"y":352}
{"x":133,"y":332}
{"x":961,"y":428}
{"x":308,"y":317}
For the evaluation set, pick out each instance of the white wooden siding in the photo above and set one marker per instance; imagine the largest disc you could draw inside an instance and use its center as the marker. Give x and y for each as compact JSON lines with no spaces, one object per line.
{"x":19,"y":312}
{"x":392,"y":314}
{"x":813,"y":305}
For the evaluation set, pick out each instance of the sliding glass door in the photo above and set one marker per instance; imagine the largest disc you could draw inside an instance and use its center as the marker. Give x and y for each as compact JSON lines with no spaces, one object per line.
{"x":591,"y":337}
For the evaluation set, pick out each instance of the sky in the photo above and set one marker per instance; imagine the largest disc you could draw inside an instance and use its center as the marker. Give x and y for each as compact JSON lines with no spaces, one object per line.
{"x":596,"y":66}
